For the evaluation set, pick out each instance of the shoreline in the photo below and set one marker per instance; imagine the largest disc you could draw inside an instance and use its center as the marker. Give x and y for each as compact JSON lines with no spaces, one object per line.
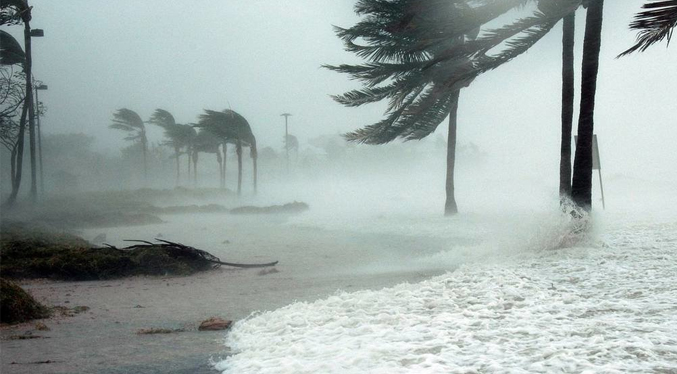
{"x":103,"y":339}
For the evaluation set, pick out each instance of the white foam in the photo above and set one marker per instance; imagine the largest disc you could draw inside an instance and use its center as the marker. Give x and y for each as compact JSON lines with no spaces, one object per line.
{"x":519,"y":308}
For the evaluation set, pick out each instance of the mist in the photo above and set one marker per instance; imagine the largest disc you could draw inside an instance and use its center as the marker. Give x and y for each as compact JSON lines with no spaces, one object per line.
{"x":352,"y":227}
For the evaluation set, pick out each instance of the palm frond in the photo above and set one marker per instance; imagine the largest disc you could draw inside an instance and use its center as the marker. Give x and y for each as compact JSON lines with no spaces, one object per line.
{"x":655,"y":24}
{"x":162,"y":118}
{"x":128,"y":118}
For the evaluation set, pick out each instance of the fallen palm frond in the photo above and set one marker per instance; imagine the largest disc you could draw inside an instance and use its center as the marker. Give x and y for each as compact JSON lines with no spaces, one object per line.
{"x":187,"y":254}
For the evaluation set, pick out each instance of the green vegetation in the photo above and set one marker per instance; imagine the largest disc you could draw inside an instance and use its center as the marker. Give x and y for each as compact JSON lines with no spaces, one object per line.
{"x":33,"y":253}
{"x":17,"y":305}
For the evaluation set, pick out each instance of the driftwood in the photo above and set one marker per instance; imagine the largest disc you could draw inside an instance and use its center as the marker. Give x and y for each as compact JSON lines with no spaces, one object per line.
{"x":178,"y":249}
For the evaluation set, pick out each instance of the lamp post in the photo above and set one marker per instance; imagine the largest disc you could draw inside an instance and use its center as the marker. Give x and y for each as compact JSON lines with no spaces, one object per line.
{"x":28,"y":69}
{"x":286,"y":136}
{"x":40,"y":87}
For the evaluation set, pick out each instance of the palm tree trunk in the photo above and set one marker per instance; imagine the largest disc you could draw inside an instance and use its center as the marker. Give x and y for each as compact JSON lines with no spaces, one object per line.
{"x":189,"y":152}
{"x":219,"y":159}
{"x":31,"y":110}
{"x":145,"y":155}
{"x":569,"y":25}
{"x":225,"y":159}
{"x":238,"y":150}
{"x":581,"y":188}
{"x":195,"y":158}
{"x":16,"y":182}
{"x":177,"y":152}
{"x":450,"y":207}
{"x":254,"y":155}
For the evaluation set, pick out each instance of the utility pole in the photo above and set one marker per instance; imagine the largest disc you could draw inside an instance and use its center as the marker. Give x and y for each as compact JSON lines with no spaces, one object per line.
{"x":286,"y":136}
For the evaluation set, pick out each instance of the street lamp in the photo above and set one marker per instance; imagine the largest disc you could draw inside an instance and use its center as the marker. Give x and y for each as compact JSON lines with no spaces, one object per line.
{"x":40,"y":87}
{"x":286,"y":136}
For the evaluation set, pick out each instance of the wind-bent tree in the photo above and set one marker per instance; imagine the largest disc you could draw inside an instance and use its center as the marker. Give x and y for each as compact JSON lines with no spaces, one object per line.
{"x":232,"y":128}
{"x":129,"y":121}
{"x":178,"y":136}
{"x":420,"y":54}
{"x":654,"y":24}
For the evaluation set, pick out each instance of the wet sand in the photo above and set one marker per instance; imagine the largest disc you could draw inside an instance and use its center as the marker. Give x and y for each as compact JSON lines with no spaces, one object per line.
{"x":314,"y":263}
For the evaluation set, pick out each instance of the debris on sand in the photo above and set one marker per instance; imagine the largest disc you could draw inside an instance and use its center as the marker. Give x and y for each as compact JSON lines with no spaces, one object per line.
{"x":154,"y":330}
{"x":214,"y":324}
{"x":289,"y":208}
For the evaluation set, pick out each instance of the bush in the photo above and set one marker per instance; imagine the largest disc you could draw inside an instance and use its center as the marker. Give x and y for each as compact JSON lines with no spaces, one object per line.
{"x":17,"y":305}
{"x":40,"y":254}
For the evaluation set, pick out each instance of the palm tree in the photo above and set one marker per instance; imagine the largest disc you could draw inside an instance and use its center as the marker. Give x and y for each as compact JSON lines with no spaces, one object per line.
{"x":568,"y":30}
{"x":178,"y":136}
{"x":207,"y":142}
{"x":655,"y":24}
{"x":232,"y":128}
{"x":421,"y":54}
{"x":128,"y":120}
{"x":581,"y":185}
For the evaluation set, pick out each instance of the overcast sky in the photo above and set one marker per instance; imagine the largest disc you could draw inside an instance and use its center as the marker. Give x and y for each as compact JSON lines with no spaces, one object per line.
{"x":262,"y":58}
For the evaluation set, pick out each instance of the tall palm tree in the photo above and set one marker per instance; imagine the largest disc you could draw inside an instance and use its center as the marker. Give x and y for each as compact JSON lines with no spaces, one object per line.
{"x":654,"y":24}
{"x":581,"y":185}
{"x":420,"y":55}
{"x":178,"y":136}
{"x":568,"y":29}
{"x":232,"y":128}
{"x":129,"y":121}
{"x":567,"y":114}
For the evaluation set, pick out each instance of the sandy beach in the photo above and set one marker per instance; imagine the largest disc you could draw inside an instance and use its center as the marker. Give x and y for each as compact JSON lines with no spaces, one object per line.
{"x":314,"y":263}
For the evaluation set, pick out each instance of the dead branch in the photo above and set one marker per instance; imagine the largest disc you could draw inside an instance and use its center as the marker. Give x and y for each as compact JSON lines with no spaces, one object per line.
{"x":178,"y":249}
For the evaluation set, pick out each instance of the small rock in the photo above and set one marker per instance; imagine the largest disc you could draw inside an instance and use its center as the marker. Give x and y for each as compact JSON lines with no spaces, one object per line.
{"x":225,"y":242}
{"x":138,"y":306}
{"x":41,"y":327}
{"x":214,"y":324}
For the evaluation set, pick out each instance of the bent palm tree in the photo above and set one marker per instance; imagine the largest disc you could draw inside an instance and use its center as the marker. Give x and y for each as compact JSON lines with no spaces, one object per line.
{"x":232,"y":128}
{"x":178,"y":136}
{"x":421,"y":54}
{"x":129,"y":121}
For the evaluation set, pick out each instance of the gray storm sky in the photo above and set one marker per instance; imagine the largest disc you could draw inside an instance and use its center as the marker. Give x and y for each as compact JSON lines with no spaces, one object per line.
{"x":262,"y":58}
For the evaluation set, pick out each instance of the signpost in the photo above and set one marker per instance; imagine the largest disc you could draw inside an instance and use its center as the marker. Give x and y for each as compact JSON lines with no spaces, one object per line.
{"x":596,"y":164}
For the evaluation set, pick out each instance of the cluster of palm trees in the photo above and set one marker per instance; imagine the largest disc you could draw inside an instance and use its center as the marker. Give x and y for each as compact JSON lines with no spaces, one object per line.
{"x":420,"y":53}
{"x":211,"y":134}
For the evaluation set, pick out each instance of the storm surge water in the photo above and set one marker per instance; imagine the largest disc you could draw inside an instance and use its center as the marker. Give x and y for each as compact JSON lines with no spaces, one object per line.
{"x":523,"y":293}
